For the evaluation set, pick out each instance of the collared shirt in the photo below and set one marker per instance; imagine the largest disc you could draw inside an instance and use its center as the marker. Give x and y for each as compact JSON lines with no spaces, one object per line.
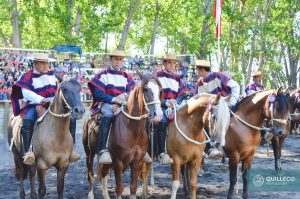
{"x":253,"y":87}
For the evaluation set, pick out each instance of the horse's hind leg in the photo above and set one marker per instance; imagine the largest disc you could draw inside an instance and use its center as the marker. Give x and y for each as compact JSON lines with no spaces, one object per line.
{"x":184,"y":173}
{"x":136,"y":168}
{"x":42,"y":186}
{"x":22,"y":192}
{"x":246,"y":164}
{"x":32,"y":171}
{"x":90,"y":175}
{"x":61,"y":172}
{"x":233,"y":165}
{"x":118,"y":170}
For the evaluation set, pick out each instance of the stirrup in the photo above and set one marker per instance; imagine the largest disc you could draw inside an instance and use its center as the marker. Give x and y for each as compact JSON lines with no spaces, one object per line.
{"x":165,"y":159}
{"x":29,"y":158}
{"x":147,"y":158}
{"x":74,"y":156}
{"x":105,"y":157}
{"x":214,"y":154}
{"x":268,"y":137}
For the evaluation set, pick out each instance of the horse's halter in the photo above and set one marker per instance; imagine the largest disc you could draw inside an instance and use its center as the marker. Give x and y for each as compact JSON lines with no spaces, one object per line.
{"x":63,"y":115}
{"x":271,"y":100}
{"x":146,"y":107}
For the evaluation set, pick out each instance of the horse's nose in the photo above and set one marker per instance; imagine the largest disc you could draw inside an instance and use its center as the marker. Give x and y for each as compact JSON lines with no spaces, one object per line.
{"x":79,"y":110}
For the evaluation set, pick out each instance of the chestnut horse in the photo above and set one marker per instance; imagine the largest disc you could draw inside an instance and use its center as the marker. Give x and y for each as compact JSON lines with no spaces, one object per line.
{"x":243,"y":136}
{"x":51,"y":141}
{"x":128,"y":140}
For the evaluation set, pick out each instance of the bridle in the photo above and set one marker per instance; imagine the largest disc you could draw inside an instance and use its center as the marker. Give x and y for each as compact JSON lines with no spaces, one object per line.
{"x":63,"y":115}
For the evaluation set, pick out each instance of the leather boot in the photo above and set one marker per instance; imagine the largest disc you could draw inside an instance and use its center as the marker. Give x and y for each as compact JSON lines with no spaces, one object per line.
{"x":74,"y":155}
{"x":27,"y":131}
{"x":102,"y":151}
{"x":164,"y":156}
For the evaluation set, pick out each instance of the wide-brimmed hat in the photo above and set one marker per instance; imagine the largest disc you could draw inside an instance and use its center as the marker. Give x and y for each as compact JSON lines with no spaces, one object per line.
{"x":168,"y":57}
{"x":257,"y":73}
{"x":202,"y":63}
{"x":41,"y":57}
{"x":117,"y":53}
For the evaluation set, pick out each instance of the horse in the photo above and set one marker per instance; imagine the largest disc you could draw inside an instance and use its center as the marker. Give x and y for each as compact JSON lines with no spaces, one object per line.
{"x":128,"y":140}
{"x":243,"y":135}
{"x":278,"y":139}
{"x":52,"y":142}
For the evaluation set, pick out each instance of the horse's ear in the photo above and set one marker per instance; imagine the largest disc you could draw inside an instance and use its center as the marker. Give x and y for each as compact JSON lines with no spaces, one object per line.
{"x":278,"y":90}
{"x":217,"y":99}
{"x":59,"y":78}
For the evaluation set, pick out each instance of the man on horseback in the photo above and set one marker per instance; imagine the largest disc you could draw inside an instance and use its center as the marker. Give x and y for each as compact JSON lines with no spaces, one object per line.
{"x":253,"y":87}
{"x":110,"y":88}
{"x":214,"y":83}
{"x":173,"y":90}
{"x":37,"y":89}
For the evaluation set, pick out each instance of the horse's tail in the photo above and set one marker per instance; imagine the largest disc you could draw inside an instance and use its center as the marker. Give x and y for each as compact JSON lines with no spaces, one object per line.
{"x":222,"y":120}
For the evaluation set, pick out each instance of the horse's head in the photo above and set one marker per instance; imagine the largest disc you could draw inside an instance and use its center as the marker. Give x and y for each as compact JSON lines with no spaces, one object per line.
{"x":295,"y":105}
{"x":70,"y":89}
{"x":276,"y":110}
{"x":152,"y":94}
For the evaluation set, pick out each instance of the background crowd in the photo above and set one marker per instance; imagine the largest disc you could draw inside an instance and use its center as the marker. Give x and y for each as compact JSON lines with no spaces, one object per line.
{"x":14,"y":63}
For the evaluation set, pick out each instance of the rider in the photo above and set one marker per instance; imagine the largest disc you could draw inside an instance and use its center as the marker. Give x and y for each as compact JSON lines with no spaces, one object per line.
{"x":214,"y":83}
{"x":35,"y":87}
{"x":173,"y":90}
{"x":111,"y":86}
{"x":253,"y":87}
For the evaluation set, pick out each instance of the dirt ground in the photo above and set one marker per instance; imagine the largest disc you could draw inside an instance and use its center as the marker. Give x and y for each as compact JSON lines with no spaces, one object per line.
{"x":213,"y":184}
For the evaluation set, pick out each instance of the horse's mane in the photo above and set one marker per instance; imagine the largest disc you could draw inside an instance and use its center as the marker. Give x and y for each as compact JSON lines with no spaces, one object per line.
{"x":255,"y":97}
{"x":297,"y":90}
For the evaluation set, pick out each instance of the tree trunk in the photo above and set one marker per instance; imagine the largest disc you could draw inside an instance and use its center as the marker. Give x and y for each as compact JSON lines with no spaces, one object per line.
{"x":155,"y":25}
{"x":252,"y":49}
{"x":69,"y":10}
{"x":15,"y":23}
{"x":293,"y":62}
{"x":183,"y":44}
{"x":127,"y":24}
{"x":205,"y":31}
{"x":106,"y":42}
{"x":77,"y":21}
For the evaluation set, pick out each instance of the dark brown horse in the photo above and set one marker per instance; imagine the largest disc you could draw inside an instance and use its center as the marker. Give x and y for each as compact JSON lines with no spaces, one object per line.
{"x":128,"y":141}
{"x":278,"y":139}
{"x":52,"y":142}
{"x":243,"y":136}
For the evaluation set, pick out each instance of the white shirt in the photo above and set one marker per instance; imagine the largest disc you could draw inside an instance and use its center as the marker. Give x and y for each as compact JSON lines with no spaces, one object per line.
{"x":235,"y":91}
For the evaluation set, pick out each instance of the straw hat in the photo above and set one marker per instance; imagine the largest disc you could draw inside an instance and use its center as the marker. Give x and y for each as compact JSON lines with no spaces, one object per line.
{"x":169,"y":57}
{"x":41,"y":57}
{"x":117,"y":53}
{"x":257,"y":73}
{"x":202,"y":63}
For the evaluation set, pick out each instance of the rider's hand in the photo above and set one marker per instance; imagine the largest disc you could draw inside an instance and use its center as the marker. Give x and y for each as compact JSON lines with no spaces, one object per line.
{"x":170,"y":103}
{"x":118,"y":100}
{"x":48,"y":99}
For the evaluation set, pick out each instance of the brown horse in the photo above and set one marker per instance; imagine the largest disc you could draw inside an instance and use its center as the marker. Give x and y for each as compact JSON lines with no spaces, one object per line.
{"x":243,"y":136}
{"x":278,"y":139}
{"x":52,"y":142}
{"x":128,"y":141}
{"x":186,"y":137}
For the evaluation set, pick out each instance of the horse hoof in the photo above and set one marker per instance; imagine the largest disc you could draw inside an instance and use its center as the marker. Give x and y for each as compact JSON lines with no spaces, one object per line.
{"x":105,"y":196}
{"x":91,"y":195}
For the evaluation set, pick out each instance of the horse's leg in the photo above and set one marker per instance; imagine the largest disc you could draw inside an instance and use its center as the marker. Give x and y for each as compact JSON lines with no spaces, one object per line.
{"x":103,"y":172}
{"x":61,"y":172}
{"x":136,"y":168}
{"x":42,"y":186}
{"x":22,"y":191}
{"x":90,"y":174}
{"x":276,"y":151}
{"x":118,"y":170}
{"x":32,"y":171}
{"x":233,"y":165}
{"x":246,"y":164}
{"x":175,"y":177}
{"x":185,"y":180}
{"x":144,"y":176}
{"x":194,"y":169}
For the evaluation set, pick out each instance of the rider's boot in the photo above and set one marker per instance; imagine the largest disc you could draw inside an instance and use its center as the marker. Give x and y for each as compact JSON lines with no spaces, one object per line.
{"x":164,"y":157}
{"x":104,"y":127}
{"x":74,"y":155}
{"x":27,"y":131}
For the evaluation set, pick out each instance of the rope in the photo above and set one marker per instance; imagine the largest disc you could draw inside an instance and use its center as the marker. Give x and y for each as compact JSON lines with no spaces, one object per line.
{"x":132,"y":117}
{"x":247,"y":124}
{"x":63,"y":115}
{"x":185,"y":136}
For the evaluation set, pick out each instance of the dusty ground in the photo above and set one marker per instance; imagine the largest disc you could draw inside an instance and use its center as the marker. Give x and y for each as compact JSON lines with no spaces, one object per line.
{"x":213,"y":184}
